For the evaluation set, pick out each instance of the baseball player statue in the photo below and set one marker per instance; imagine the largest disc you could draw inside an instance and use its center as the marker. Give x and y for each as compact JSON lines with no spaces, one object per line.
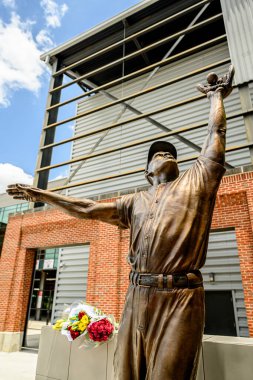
{"x":163,"y":319}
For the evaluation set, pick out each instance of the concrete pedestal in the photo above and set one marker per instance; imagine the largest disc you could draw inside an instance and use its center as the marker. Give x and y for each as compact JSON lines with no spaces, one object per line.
{"x":226,"y":358}
{"x":10,"y":341}
{"x":60,"y":359}
{"x":222,"y":358}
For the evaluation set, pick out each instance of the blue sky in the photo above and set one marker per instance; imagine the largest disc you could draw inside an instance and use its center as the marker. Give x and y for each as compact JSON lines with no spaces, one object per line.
{"x":27,"y":29}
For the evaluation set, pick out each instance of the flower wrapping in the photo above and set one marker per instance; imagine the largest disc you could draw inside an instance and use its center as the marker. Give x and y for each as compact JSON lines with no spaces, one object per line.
{"x":87,"y":323}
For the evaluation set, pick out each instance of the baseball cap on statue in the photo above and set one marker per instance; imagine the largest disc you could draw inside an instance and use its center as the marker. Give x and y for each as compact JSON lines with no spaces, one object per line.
{"x":161,"y":146}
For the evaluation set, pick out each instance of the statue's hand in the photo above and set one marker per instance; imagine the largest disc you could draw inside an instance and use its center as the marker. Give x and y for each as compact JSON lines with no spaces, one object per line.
{"x":215,"y":84}
{"x":26,"y":192}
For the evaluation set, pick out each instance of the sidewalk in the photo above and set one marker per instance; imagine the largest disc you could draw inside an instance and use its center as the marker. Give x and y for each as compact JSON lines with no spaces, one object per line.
{"x":18,"y":365}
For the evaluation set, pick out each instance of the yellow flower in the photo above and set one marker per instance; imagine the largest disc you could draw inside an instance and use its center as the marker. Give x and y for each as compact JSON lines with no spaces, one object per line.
{"x":83,"y":323}
{"x":58,"y":324}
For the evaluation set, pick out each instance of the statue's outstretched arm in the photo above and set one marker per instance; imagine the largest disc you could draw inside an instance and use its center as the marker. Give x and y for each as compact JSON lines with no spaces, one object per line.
{"x":80,"y":208}
{"x":216,"y":90}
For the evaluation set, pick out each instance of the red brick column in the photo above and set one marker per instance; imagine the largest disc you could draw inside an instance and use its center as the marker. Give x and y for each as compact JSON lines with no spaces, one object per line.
{"x":234,"y":208}
{"x":16,"y":267}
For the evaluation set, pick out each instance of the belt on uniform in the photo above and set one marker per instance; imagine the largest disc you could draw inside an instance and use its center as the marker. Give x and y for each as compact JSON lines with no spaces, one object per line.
{"x":167,"y":281}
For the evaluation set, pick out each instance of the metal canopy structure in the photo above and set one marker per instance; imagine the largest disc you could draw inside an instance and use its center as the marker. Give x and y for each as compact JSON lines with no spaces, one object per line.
{"x":136,"y":44}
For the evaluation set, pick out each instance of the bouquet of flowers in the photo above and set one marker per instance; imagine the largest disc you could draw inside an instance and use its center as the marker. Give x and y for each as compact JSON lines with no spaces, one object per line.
{"x":87,"y":322}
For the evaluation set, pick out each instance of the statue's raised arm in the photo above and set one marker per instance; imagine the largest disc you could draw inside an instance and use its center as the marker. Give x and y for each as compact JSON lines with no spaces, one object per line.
{"x":79,"y":208}
{"x":216,"y":90}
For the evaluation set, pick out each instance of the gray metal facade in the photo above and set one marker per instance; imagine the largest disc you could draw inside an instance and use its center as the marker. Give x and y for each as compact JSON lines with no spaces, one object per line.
{"x":180,"y":116}
{"x":154,"y":42}
{"x":238,"y":19}
{"x":223,"y":261}
{"x":71,"y":278}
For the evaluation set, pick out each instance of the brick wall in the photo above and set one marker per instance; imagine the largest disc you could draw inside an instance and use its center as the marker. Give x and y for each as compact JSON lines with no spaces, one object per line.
{"x":108,"y":270}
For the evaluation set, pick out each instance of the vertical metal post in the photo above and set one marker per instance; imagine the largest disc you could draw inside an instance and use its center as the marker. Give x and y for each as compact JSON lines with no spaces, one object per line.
{"x":47,"y":136}
{"x":236,"y":313}
{"x":246,"y":104}
{"x":59,"y":266}
{"x":40,"y":296}
{"x":28,"y":314}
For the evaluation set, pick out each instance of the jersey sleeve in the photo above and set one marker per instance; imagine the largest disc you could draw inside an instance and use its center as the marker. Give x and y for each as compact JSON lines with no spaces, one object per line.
{"x":125,"y":206}
{"x":210,"y":171}
{"x":203,"y":177}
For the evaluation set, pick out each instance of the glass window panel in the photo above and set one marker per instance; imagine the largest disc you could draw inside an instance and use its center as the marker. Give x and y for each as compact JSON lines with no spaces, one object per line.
{"x":6,"y":211}
{"x":50,"y":250}
{"x":49,"y":256}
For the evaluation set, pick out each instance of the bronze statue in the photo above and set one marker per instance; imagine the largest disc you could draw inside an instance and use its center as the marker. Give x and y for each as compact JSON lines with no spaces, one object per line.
{"x":163,"y":319}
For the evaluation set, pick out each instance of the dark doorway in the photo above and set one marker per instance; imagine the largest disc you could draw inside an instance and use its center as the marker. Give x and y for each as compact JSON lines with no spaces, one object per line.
{"x":2,"y":233}
{"x":220,"y":316}
{"x":42,"y":295}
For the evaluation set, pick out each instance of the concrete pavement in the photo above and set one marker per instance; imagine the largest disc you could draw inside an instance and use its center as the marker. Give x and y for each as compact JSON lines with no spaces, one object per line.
{"x":18,"y":365}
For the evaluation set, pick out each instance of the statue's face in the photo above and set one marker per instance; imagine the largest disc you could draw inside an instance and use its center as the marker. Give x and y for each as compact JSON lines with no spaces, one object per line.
{"x":164,"y":164}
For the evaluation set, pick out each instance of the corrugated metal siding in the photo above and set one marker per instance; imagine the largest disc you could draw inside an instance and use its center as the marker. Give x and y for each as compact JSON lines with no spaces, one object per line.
{"x":238,"y":19}
{"x":71,"y":280}
{"x":184,"y":115}
{"x":251,"y":90}
{"x":223,"y":261}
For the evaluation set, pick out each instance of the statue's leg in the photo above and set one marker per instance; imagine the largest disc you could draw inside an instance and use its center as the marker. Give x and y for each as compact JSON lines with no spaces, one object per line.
{"x":174,"y":333}
{"x":129,"y":358}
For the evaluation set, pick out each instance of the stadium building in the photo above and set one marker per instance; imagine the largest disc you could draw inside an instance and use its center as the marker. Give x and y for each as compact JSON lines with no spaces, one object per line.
{"x":113,"y":91}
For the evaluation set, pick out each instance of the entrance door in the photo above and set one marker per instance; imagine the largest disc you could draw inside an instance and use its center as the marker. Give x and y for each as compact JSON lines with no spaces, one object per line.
{"x":220,"y":317}
{"x":42,"y":295}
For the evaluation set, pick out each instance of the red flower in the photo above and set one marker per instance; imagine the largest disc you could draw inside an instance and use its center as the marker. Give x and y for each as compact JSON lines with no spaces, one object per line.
{"x":74,"y":334}
{"x":81,"y":314}
{"x":101,"y":330}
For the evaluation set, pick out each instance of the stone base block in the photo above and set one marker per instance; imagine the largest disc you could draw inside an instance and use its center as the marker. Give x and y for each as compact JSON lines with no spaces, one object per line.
{"x":221,"y":358}
{"x":60,"y":359}
{"x":11,"y":341}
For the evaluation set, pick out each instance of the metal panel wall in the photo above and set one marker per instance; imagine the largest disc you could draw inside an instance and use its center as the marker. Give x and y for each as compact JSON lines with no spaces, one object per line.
{"x":177,"y":117}
{"x":223,"y":261}
{"x":251,"y":90}
{"x":71,"y":278}
{"x":238,"y":19}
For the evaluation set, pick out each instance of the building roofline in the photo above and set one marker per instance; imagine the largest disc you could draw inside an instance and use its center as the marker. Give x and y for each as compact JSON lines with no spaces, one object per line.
{"x":98,"y":28}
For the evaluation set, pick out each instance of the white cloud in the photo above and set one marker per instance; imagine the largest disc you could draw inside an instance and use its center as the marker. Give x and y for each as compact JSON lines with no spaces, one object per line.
{"x":53,"y":12}
{"x":9,"y":3}
{"x":20,"y":65}
{"x":58,"y":177}
{"x":10,"y":174}
{"x":44,"y":40}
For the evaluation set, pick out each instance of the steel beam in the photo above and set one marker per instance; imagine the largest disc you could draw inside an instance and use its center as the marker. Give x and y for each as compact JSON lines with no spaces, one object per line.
{"x":138,"y":52}
{"x":130,"y":172}
{"x":143,"y":141}
{"x":143,"y":92}
{"x":133,"y":36}
{"x":145,"y":69}
{"x":47,"y":136}
{"x":129,"y":120}
{"x":136,"y":42}
{"x":146,"y":90}
{"x":173,"y":132}
{"x":148,"y":68}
